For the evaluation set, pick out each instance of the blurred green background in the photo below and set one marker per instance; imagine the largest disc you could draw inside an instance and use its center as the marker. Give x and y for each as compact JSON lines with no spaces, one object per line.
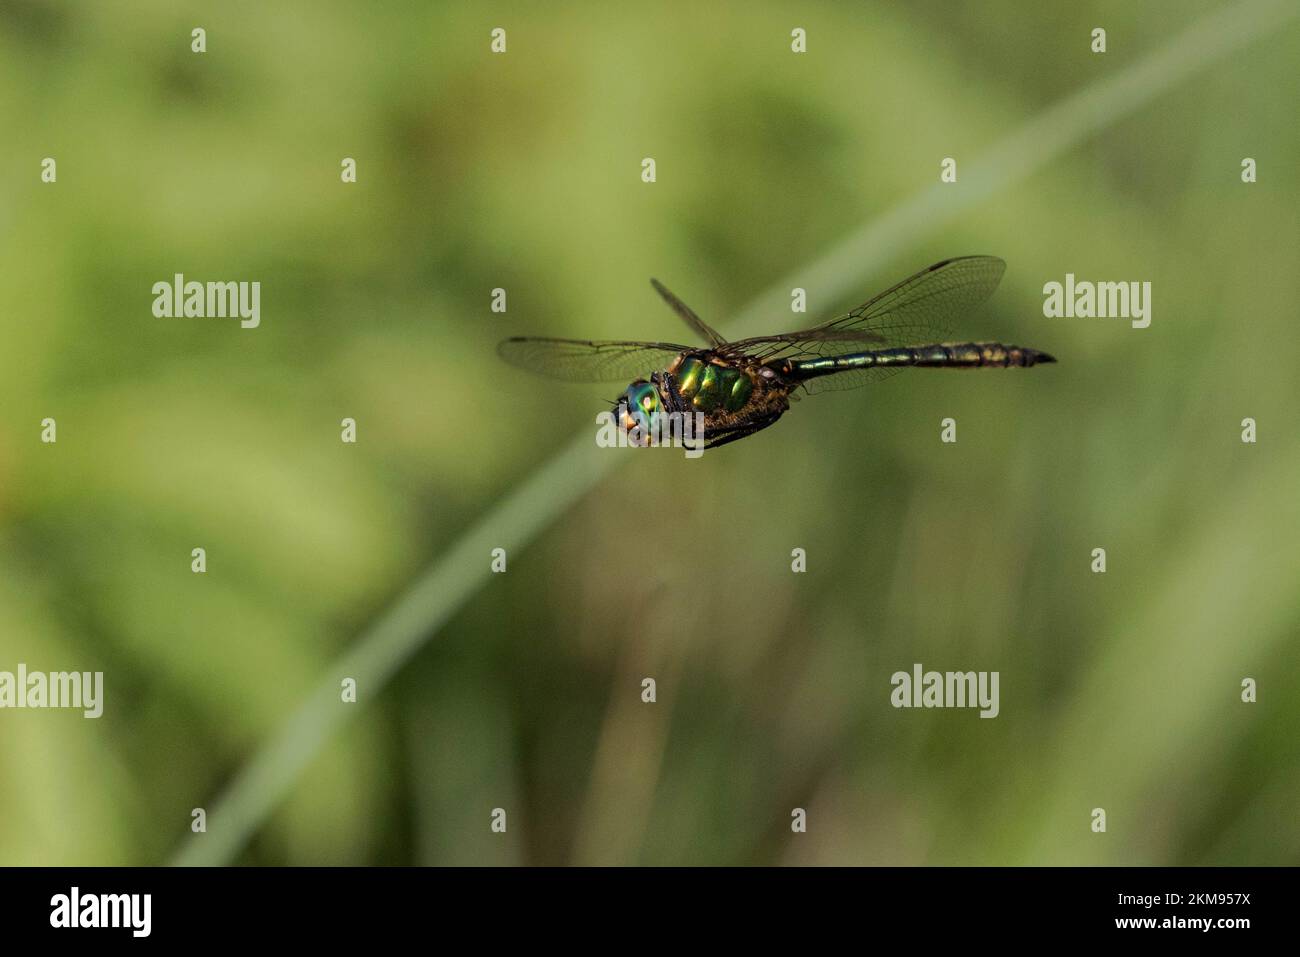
{"x":522,"y":171}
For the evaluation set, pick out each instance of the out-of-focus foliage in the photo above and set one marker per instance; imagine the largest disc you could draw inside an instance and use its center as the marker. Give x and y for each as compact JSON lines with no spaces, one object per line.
{"x":522,"y":171}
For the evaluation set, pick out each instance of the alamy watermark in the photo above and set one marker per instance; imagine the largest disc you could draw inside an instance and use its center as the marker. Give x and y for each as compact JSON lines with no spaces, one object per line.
{"x":53,"y":689}
{"x":683,"y":430}
{"x":947,"y":689}
{"x":211,"y":300}
{"x":1084,"y":299}
{"x":75,"y":909}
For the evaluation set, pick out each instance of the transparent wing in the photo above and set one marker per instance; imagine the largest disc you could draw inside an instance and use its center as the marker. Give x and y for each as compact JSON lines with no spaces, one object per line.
{"x":688,"y":315}
{"x":818,"y":338}
{"x":921,"y":309}
{"x":584,"y":360}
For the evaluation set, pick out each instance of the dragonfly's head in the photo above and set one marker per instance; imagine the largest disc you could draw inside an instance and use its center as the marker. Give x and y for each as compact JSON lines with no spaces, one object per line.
{"x":638,"y":411}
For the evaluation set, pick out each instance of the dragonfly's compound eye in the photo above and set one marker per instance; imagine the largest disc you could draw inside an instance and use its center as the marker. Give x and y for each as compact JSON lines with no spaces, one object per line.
{"x":639,"y":411}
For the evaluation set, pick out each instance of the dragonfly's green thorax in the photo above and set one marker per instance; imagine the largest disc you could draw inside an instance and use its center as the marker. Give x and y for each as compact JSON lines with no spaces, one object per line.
{"x":710,"y":386}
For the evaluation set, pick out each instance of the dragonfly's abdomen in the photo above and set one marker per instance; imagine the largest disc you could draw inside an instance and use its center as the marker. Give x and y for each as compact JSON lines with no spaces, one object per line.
{"x":957,"y":355}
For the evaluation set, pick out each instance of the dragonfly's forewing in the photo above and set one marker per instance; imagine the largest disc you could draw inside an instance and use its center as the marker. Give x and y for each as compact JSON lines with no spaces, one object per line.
{"x":585,"y":360}
{"x":688,"y":315}
{"x":921,"y":309}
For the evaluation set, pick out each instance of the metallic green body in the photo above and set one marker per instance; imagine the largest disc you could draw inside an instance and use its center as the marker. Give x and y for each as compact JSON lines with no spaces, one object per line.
{"x":710,"y":386}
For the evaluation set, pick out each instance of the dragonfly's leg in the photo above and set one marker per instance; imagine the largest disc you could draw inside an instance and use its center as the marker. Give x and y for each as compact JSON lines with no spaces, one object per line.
{"x":730,"y":436}
{"x":714,"y":435}
{"x":725,"y":430}
{"x":723,"y":436}
{"x":667,"y":382}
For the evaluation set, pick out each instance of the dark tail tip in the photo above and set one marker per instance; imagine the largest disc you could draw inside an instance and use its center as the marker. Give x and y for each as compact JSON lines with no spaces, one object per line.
{"x":1044,"y":357}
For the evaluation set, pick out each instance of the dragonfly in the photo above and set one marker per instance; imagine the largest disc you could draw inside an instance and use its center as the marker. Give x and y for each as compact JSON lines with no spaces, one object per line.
{"x":740,"y":387}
